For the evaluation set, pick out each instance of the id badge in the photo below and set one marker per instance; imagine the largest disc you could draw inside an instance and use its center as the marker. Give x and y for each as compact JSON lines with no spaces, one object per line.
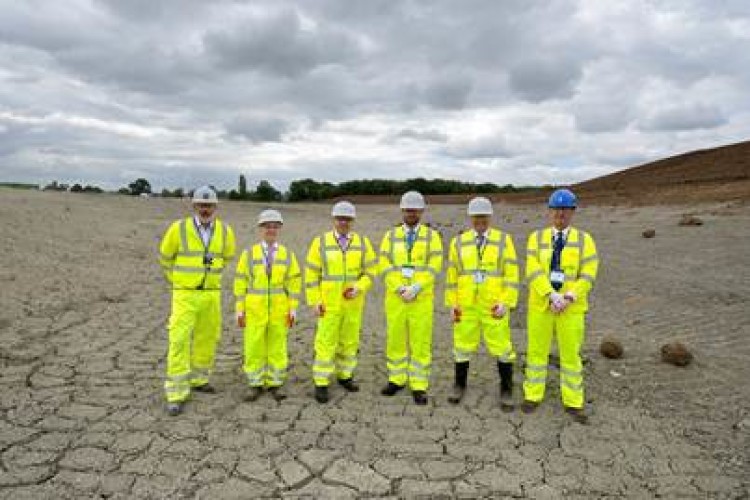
{"x":479,"y":277}
{"x":557,"y":277}
{"x":407,"y":272}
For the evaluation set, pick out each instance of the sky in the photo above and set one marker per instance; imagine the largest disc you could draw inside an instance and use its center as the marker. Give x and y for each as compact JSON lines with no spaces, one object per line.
{"x":523,"y":92}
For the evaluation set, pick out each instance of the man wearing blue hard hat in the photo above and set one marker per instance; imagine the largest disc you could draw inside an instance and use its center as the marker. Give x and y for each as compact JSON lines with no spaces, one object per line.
{"x":561,"y":268}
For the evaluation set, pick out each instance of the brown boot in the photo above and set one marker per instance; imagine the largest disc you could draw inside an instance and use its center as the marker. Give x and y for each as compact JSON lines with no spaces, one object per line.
{"x":578,"y":415}
{"x":529,"y":407}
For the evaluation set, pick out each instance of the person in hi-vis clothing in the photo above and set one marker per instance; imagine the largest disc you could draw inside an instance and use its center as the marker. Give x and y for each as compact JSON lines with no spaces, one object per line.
{"x":481,"y":290}
{"x":340,"y":269}
{"x":267,"y":288}
{"x":561,"y":268}
{"x":194,"y":253}
{"x":411,"y":257}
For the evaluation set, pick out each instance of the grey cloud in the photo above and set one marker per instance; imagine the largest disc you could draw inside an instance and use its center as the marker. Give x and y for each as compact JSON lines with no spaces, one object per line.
{"x":430,"y":135}
{"x":257,"y":129}
{"x":280,"y":45}
{"x":538,"y":80}
{"x":688,"y":117}
{"x":491,"y":146}
{"x":448,"y":93}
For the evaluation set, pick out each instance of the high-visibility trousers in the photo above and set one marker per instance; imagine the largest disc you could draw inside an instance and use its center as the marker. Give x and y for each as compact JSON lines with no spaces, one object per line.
{"x":266,"y":356}
{"x":477,"y":322}
{"x":569,"y":327}
{"x":409,"y":341}
{"x":194,"y":331}
{"x":337,"y":343}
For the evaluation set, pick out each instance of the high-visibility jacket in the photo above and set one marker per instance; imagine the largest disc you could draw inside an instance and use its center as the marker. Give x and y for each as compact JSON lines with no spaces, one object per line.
{"x":495,"y":260}
{"x":262,"y":296}
{"x":190,"y":265}
{"x":425,"y":257}
{"x":329,"y":270}
{"x":579,"y":262}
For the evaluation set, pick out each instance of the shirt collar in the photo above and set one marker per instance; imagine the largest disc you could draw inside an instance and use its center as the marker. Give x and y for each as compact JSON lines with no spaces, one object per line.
{"x":264,"y":244}
{"x":416,"y":228}
{"x":565,"y":232}
{"x":338,"y":235}
{"x":483,"y":234}
{"x":199,"y":225}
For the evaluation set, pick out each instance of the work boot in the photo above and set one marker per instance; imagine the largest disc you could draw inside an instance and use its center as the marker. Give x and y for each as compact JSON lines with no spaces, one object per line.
{"x":529,"y":407}
{"x":321,"y":394}
{"x":277,"y":393}
{"x":205,"y":388}
{"x":253,"y":393}
{"x":578,"y":415}
{"x":459,"y":387}
{"x":391,"y":389}
{"x":420,"y":397}
{"x":349,"y":384}
{"x":174,"y":409}
{"x":506,"y":386}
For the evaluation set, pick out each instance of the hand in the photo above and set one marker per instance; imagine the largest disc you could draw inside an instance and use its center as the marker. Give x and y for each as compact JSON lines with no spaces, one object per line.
{"x":557,"y":302}
{"x":319,"y":310}
{"x":570,"y":296}
{"x":351,"y":292}
{"x":291,"y":319}
{"x":410,"y":292}
{"x":498,"y":311}
{"x":456,"y":314}
{"x":241,"y":319}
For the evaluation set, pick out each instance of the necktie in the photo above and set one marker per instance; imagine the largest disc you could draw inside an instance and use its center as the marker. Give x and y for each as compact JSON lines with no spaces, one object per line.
{"x":343,"y":242}
{"x":269,"y":258}
{"x":410,"y":237}
{"x":558,"y":245}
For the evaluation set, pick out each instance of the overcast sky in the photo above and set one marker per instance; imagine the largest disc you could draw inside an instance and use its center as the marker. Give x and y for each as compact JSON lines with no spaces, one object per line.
{"x":184,"y":92}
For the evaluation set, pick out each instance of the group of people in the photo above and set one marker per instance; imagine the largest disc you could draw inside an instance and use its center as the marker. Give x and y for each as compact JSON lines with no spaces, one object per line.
{"x":482,"y":285}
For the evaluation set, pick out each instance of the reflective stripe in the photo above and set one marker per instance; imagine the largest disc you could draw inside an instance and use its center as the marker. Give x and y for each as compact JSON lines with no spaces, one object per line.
{"x":536,"y":380}
{"x":569,"y":385}
{"x":590,"y":258}
{"x":292,"y":295}
{"x":293,"y":276}
{"x":313,"y":266}
{"x":511,"y":262}
{"x":370,"y":262}
{"x":505,"y":357}
{"x":323,"y":364}
{"x":400,"y":371}
{"x":461,"y":356}
{"x":419,"y":366}
{"x":312,"y":284}
{"x":513,"y":284}
{"x":570,"y":373}
{"x":417,"y":376}
{"x":398,"y":361}
{"x":317,"y":374}
{"x":537,"y":368}
{"x":177,"y":390}
{"x":333,"y":278}
{"x":451,"y":286}
{"x":179,"y":378}
{"x":435,"y":253}
{"x":586,"y":277}
{"x":195,"y":270}
{"x":535,"y":275}
{"x":266,"y":291}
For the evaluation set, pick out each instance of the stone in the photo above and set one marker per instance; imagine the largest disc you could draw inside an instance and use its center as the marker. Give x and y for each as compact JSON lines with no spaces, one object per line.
{"x":611,"y":348}
{"x":676,"y":353}
{"x":649,"y":233}
{"x":690,"y":220}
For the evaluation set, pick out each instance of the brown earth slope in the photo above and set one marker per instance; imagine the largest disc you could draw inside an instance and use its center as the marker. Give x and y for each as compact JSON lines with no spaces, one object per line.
{"x":719,"y":174}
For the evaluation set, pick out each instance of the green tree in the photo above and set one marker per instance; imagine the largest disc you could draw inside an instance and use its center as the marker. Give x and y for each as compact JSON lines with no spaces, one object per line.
{"x":139,"y":187}
{"x":242,"y":188}
{"x":266,"y":192}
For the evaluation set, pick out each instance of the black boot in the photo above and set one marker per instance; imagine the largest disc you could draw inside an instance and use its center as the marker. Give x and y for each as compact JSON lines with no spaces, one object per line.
{"x":506,"y":385}
{"x":391,"y":389}
{"x":459,"y":387}
{"x":321,"y":394}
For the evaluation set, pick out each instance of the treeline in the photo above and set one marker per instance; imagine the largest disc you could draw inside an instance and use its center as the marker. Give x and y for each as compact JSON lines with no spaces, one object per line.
{"x":312,"y":190}
{"x":75,"y":188}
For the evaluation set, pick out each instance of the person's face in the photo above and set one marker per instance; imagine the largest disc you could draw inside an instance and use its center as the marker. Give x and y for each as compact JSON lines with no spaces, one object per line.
{"x":269,"y":231}
{"x":412,"y":216}
{"x":560,"y":218}
{"x":205,"y":211}
{"x":343,"y":224}
{"x":480,"y":223}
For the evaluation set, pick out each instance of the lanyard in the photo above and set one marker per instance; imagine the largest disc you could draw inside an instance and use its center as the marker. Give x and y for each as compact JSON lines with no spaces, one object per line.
{"x":206,"y":244}
{"x":480,"y":250}
{"x":267,"y":260}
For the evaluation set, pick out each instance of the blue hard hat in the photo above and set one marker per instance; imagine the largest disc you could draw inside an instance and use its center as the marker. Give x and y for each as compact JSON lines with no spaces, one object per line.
{"x":563,"y":198}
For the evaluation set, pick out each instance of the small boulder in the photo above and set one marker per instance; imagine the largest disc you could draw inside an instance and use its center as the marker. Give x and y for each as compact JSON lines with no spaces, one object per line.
{"x":649,"y":233}
{"x":690,"y":220}
{"x":611,"y":348}
{"x":675,"y":353}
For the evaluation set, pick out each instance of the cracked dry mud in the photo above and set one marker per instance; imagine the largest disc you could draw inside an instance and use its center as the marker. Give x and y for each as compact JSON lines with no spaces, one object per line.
{"x":82,"y":360}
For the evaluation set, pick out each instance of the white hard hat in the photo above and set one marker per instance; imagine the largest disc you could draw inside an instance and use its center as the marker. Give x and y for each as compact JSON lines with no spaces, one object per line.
{"x":412,"y":200}
{"x":344,"y":209}
{"x":480,"y":206}
{"x":270,"y":216}
{"x":205,"y":194}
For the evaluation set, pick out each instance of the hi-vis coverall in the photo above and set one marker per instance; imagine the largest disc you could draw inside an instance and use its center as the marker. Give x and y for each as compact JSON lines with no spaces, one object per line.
{"x":330,"y":270}
{"x":266,"y":301}
{"x":478,"y":278}
{"x":580,"y":263}
{"x":409,"y":324}
{"x":194,"y":270}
